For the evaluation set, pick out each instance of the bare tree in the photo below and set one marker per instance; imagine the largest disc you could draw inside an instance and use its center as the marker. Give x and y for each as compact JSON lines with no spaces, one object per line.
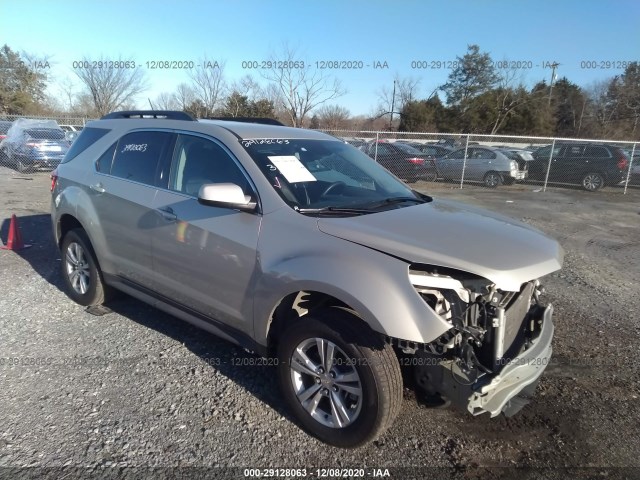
{"x":184,"y":96}
{"x":333,"y":117}
{"x":208,"y":84}
{"x":110,"y":83}
{"x":165,"y":101}
{"x":508,"y":96}
{"x":68,"y":89}
{"x":300,"y":88}
{"x":393,"y":98}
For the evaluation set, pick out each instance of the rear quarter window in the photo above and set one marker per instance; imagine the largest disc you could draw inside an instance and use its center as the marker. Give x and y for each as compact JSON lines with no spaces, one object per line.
{"x":87,"y":137}
{"x":103,"y":164}
{"x":139,"y":154}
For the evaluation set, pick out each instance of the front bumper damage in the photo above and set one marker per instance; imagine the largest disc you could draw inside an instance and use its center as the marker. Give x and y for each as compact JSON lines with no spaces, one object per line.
{"x":508,"y":391}
{"x":505,"y":389}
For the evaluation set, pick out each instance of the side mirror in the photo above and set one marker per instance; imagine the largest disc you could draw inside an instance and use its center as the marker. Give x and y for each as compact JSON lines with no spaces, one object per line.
{"x":225,"y":195}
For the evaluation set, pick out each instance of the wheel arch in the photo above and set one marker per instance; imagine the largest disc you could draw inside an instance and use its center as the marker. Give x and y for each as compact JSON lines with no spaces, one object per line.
{"x":293,"y":308}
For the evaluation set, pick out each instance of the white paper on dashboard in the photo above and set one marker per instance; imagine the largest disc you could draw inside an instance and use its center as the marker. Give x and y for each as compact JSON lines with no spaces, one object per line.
{"x":292,"y":169}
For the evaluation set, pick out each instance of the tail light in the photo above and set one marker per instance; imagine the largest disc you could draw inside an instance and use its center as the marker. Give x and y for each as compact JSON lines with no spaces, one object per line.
{"x":623,"y":163}
{"x":54,"y":179}
{"x":416,"y":161}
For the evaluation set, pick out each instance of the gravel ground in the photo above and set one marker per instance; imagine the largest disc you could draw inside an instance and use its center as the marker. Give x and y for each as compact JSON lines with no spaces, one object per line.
{"x":139,"y":388}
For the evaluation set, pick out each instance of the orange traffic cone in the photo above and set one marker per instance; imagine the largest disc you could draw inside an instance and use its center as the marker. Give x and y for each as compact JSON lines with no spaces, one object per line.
{"x":14,"y":242}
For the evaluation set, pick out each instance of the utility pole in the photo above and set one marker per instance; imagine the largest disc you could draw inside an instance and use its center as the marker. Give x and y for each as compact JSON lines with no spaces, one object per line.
{"x":554,"y":65}
{"x":393,"y":106}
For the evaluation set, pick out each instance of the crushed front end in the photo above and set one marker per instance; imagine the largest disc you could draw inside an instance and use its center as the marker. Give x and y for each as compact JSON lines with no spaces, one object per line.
{"x":499,"y":343}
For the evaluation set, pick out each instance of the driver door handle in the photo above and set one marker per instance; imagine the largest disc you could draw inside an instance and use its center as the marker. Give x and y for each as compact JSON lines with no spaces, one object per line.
{"x":167,"y":213}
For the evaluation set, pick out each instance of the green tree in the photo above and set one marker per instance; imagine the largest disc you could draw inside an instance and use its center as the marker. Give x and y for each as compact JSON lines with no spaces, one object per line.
{"x":238,"y":105}
{"x":22,"y":85}
{"x":417,"y":116}
{"x":569,"y":103}
{"x":473,"y":75}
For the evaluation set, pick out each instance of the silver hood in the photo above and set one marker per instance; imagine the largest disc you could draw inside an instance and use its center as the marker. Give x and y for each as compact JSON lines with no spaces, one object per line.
{"x":451,"y":234}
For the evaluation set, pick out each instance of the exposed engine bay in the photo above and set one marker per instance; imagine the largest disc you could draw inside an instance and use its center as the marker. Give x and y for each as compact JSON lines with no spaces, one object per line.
{"x":490,"y":331}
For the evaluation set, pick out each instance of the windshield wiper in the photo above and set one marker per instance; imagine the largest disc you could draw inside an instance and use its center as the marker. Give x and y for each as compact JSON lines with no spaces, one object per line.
{"x":338,"y":210}
{"x":394,"y":200}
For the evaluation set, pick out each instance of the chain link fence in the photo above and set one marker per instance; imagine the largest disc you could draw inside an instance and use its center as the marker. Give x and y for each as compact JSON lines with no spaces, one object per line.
{"x":33,"y":144}
{"x":29,"y":145}
{"x":493,"y":161}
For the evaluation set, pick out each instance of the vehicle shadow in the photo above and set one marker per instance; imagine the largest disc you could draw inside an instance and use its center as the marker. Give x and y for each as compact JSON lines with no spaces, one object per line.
{"x":42,"y":255}
{"x":254,"y":374}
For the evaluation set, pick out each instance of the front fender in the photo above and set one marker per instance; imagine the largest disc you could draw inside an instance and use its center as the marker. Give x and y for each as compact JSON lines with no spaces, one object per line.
{"x":372,"y":283}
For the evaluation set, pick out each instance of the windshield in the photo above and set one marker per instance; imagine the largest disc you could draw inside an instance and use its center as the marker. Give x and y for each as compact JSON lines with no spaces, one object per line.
{"x":326,"y":174}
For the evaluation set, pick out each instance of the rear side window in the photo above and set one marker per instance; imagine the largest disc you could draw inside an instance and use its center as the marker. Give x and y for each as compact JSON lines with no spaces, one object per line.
{"x":596,"y":151}
{"x":103,"y":164}
{"x":574,"y":151}
{"x":138,"y":155}
{"x":87,"y":137}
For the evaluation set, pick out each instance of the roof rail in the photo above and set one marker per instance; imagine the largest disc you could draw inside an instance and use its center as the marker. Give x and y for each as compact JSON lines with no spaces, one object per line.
{"x":165,"y":114}
{"x":264,"y":120}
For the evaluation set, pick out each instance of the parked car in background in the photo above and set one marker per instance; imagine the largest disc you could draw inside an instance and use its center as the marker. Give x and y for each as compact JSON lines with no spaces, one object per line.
{"x":34,"y":144}
{"x":295,"y":246}
{"x":356,"y":143}
{"x":522,"y":153}
{"x":4,"y":128}
{"x":71,"y":132}
{"x":634,"y":174}
{"x":590,"y":165}
{"x":432,"y":150}
{"x":402,"y":160}
{"x":489,"y":165}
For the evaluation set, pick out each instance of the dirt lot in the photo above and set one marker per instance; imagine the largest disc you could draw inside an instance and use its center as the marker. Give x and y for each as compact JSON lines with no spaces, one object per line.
{"x":139,"y":388}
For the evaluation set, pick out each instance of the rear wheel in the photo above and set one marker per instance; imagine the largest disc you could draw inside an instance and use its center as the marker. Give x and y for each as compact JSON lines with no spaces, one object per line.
{"x":80,"y":270}
{"x":21,"y":166}
{"x":492,"y":179}
{"x":340,"y":379}
{"x":592,"y":181}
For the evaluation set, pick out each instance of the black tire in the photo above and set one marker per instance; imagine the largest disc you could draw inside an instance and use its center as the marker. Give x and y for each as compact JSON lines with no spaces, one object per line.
{"x":376,"y":367}
{"x":432,"y":177}
{"x":21,"y":167}
{"x":492,"y":179}
{"x":593,"y":181}
{"x":78,"y":256}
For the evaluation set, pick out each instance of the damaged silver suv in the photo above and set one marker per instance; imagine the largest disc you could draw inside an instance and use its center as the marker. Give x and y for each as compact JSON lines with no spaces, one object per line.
{"x":295,"y":245}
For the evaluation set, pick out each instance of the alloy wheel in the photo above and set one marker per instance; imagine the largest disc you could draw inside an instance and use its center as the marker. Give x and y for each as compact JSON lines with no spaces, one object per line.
{"x":592,"y":182}
{"x":326,"y":382}
{"x":77,"y":267}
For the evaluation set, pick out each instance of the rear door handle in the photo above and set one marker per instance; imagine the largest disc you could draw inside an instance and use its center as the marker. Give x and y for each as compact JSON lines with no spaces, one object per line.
{"x":97,"y":188}
{"x":167,"y":213}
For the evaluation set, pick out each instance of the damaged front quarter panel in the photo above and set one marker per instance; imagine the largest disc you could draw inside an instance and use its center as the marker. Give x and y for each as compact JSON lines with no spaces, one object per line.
{"x":498,"y":346}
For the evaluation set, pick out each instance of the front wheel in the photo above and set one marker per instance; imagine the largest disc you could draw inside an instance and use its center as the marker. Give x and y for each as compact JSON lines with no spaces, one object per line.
{"x":592,"y":181}
{"x":80,"y":270}
{"x":341,"y":381}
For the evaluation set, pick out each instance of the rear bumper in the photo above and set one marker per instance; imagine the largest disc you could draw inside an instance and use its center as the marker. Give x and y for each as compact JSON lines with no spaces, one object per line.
{"x":502,"y":393}
{"x":44,"y":161}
